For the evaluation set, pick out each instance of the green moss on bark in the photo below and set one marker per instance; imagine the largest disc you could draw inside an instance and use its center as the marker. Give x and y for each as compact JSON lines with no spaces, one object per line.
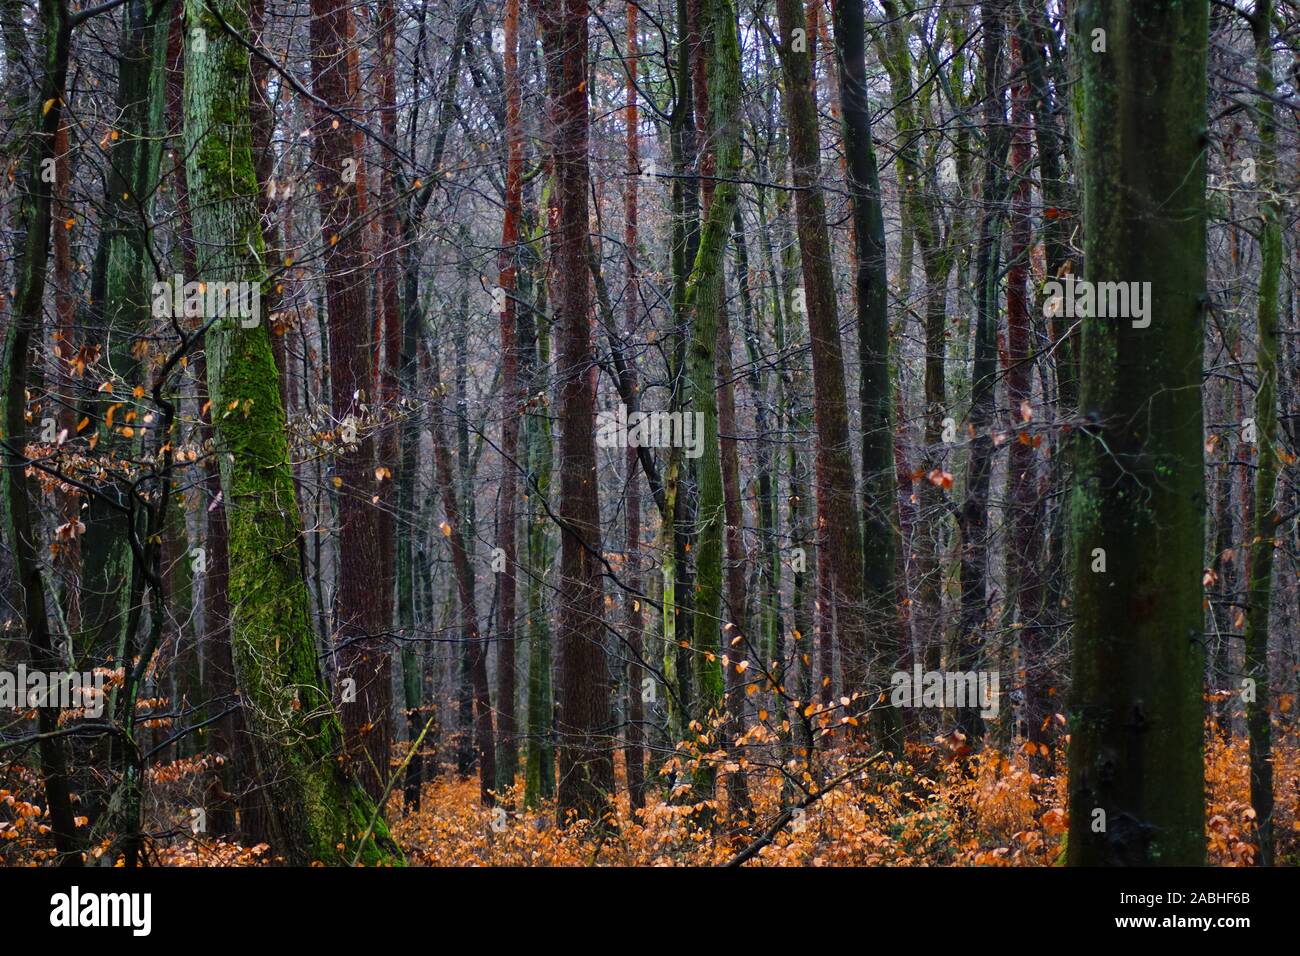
{"x":1136,"y":711}
{"x":318,"y":811}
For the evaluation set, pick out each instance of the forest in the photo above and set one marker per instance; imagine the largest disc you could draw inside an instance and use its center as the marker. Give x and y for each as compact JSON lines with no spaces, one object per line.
{"x":631,"y":433}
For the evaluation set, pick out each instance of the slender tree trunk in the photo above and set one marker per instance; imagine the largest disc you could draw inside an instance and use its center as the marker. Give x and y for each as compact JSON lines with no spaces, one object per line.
{"x":21,"y":530}
{"x":704,"y":295}
{"x":634,"y":752}
{"x":736,"y":631}
{"x":1024,"y":537}
{"x":68,"y":566}
{"x":675,"y":527}
{"x":843,"y":528}
{"x":535,"y":358}
{"x":979,"y":465}
{"x":400,"y":440}
{"x":875,"y":391}
{"x":468,"y":522}
{"x":583,"y":718}
{"x":767,"y":576}
{"x":453,"y":529}
{"x":118,"y":316}
{"x":389,"y":375}
{"x":507,"y":518}
{"x":1059,"y":204}
{"x":1265,"y":537}
{"x":920,"y":209}
{"x":364,"y":663}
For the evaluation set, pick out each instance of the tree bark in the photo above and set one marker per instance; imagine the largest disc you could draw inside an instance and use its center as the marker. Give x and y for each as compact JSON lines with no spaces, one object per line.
{"x":507,"y":516}
{"x":365,"y":667}
{"x":1139,"y":494}
{"x":32,"y":227}
{"x":974,"y":517}
{"x":843,"y":528}
{"x":314,"y":805}
{"x":583,"y":715}
{"x":453,"y":529}
{"x":875,"y":391}
{"x":634,"y":751}
{"x":1265,"y":535}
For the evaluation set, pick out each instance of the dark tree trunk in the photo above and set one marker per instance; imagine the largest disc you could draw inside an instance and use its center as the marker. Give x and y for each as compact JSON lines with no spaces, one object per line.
{"x":875,"y":391}
{"x":583,"y":714}
{"x":634,"y":752}
{"x":1137,"y":792}
{"x":507,"y":515}
{"x":21,"y":530}
{"x":837,"y":496}
{"x":475,"y":660}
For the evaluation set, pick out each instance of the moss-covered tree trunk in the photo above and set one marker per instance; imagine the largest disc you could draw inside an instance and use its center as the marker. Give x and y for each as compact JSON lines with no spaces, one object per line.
{"x":674,"y":528}
{"x":875,"y":391}
{"x":535,"y":358}
{"x":704,"y":295}
{"x":232,"y":790}
{"x":317,"y":810}
{"x":1136,"y":770}
{"x":44,"y":106}
{"x":118,"y":313}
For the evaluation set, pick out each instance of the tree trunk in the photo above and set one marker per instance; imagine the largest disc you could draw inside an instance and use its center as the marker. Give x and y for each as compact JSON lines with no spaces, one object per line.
{"x":364,"y":663}
{"x":974,"y":517}
{"x":33,"y":229}
{"x":583,"y":717}
{"x":843,"y":527}
{"x":634,"y":752}
{"x":535,"y":359}
{"x":315,"y":807}
{"x":1136,"y":770}
{"x":453,"y":529}
{"x":1264,"y":539}
{"x":119,"y":307}
{"x":704,"y":295}
{"x":875,"y":391}
{"x":507,"y":517}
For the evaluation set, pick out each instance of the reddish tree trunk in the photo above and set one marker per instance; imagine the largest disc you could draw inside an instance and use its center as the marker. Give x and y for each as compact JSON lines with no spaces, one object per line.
{"x":836,"y":493}
{"x":634,"y":755}
{"x":582,"y":717}
{"x":364,"y":664}
{"x":1025,"y":540}
{"x":507,"y":517}
{"x":452,"y":529}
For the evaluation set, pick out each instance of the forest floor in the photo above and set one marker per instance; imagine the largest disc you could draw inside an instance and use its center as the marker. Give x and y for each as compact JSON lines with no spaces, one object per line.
{"x":928,"y":809}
